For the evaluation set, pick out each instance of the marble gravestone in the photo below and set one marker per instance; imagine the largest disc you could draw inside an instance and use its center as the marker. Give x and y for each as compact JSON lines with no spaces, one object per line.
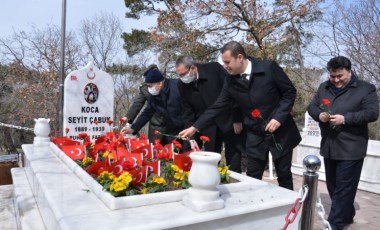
{"x":88,"y":102}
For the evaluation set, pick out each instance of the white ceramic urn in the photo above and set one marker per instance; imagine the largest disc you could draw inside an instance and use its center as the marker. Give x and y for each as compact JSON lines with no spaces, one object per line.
{"x":42,"y":131}
{"x":204,"y":178}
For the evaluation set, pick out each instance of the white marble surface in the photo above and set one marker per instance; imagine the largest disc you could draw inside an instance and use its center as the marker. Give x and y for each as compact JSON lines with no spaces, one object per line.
{"x":7,"y":210}
{"x":80,"y":114}
{"x":66,"y":202}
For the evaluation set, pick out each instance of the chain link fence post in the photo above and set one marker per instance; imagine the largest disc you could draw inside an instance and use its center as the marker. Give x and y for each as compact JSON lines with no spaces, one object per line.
{"x":310,"y":179}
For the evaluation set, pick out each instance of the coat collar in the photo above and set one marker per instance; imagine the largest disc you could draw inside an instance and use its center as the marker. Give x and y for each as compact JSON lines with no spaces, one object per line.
{"x":257,"y":67}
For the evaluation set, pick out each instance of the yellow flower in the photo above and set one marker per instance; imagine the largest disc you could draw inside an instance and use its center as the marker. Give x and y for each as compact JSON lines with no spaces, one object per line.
{"x":126,"y":177}
{"x":108,"y":153}
{"x":104,"y":176}
{"x":175,"y":168}
{"x":176,"y":183}
{"x":118,"y":186}
{"x":223,"y":170}
{"x":179,"y":176}
{"x":159,"y":180}
{"x":87,"y":161}
{"x":145,"y":190}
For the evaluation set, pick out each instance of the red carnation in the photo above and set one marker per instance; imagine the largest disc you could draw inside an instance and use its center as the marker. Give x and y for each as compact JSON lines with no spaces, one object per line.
{"x":256,"y":113}
{"x":67,"y":130}
{"x":204,"y":138}
{"x":156,"y":132}
{"x":82,"y":135}
{"x":177,"y":144}
{"x":123,"y":120}
{"x":142,"y":137}
{"x":157,"y":141}
{"x":325,"y":102}
{"x":110,"y":122}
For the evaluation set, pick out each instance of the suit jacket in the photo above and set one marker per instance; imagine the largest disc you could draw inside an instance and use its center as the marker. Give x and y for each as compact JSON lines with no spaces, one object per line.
{"x":198,"y":95}
{"x":270,"y":91}
{"x":359,"y":105}
{"x":168,"y":104}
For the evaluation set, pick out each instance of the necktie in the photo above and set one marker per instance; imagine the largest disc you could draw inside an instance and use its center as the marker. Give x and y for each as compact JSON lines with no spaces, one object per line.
{"x":244,"y":78}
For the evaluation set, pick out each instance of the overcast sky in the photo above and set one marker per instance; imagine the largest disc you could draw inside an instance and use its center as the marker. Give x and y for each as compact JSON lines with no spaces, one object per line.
{"x":17,"y":15}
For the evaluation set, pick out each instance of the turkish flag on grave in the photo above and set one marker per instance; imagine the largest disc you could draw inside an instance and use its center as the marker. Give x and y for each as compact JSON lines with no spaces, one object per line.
{"x":75,"y":152}
{"x":146,"y":150}
{"x":136,"y":158}
{"x":116,"y":168}
{"x":183,"y":161}
{"x":169,"y":148}
{"x":96,"y":168}
{"x":135,"y":144}
{"x":139,"y":176}
{"x":61,"y":141}
{"x":153,"y":167}
{"x":122,"y":151}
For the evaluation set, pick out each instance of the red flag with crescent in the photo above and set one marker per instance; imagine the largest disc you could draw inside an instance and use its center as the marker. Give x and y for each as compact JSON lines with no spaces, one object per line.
{"x":139,"y":176}
{"x":136,"y":158}
{"x":122,"y":151}
{"x":61,"y":141}
{"x":97,"y":167}
{"x":169,"y":148}
{"x":153,"y":167}
{"x":146,"y":150}
{"x":116,"y":168}
{"x":135,"y":143}
{"x":75,"y":152}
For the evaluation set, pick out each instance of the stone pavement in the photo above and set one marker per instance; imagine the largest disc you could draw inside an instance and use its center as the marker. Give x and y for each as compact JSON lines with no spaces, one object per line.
{"x":367,"y":206}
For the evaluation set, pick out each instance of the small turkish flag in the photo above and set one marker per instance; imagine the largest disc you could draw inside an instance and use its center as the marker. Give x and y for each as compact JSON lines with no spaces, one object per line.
{"x":135,"y":144}
{"x":153,"y":166}
{"x":96,"y":168}
{"x":139,"y":175}
{"x":75,"y":152}
{"x":73,"y":78}
{"x":169,"y":148}
{"x":146,"y":150}
{"x":136,"y":158}
{"x":61,"y":141}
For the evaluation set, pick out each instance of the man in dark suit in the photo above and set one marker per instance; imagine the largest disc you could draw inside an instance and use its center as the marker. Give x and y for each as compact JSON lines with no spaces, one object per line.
{"x":164,"y":99}
{"x":157,"y":121}
{"x":264,"y":87}
{"x":199,"y":88}
{"x":343,"y":106}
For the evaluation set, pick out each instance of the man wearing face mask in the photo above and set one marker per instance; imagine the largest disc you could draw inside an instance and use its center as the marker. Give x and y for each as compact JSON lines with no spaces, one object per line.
{"x":199,"y":88}
{"x":164,"y":99}
{"x":157,"y":122}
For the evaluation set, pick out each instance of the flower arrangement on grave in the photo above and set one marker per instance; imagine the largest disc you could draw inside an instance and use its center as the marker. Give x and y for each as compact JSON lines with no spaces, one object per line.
{"x":131,"y":166}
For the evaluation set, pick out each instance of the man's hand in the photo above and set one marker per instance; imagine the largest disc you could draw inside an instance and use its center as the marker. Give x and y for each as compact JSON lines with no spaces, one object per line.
{"x":337,"y":119}
{"x":238,"y":127}
{"x":126,"y":130}
{"x":324,"y":117}
{"x":272,"y":126}
{"x":194,"y":145}
{"x":187,"y":133}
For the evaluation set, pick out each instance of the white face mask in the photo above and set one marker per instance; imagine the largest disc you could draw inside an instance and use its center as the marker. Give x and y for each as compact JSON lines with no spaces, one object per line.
{"x":152,"y":90}
{"x":187,"y":78}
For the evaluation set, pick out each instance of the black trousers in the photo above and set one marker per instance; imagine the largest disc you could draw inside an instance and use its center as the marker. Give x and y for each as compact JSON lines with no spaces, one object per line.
{"x":256,"y":167}
{"x":342,"y":179}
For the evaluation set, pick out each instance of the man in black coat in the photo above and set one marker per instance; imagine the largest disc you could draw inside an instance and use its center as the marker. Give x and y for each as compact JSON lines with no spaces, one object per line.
{"x":164,"y":99}
{"x":157,"y":121}
{"x":343,"y":106}
{"x":264,"y":87}
{"x":199,"y":88}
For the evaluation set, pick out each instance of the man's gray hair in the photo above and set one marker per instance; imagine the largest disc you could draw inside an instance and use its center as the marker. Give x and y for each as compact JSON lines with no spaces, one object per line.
{"x":187,"y":61}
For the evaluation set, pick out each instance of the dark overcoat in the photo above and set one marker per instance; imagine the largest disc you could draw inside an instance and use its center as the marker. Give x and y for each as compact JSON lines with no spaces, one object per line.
{"x":359,"y":105}
{"x":273,"y":94}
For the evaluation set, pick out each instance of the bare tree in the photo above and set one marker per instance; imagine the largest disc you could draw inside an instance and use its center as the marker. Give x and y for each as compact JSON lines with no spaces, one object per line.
{"x":101,"y":36}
